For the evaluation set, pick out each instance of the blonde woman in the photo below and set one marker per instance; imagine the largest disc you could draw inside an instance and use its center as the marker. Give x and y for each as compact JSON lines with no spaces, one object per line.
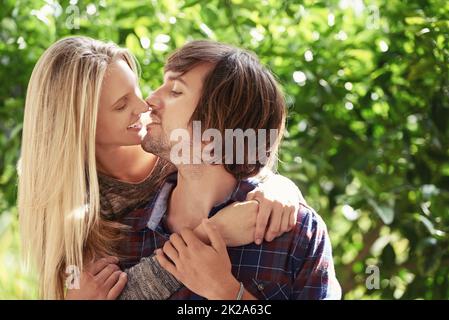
{"x":82,"y":170}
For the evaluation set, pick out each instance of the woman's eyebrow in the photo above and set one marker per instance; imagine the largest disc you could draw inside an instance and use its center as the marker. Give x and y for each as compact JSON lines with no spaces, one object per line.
{"x":119,"y":100}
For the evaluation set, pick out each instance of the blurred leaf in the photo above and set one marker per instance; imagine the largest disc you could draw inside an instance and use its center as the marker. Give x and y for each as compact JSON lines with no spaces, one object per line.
{"x":429,"y":257}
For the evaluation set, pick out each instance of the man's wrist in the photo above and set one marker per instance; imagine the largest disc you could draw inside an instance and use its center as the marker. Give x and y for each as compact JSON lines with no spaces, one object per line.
{"x":226,"y":290}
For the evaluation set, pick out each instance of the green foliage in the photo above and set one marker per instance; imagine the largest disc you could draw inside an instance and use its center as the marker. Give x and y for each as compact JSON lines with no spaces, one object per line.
{"x":368,"y":92}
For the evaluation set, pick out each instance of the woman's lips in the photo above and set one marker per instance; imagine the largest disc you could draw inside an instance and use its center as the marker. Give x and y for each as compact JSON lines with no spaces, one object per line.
{"x":146,"y":120}
{"x":135,"y":126}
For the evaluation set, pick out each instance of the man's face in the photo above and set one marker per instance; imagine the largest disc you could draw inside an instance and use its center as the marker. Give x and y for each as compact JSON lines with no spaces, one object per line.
{"x":172,"y":106}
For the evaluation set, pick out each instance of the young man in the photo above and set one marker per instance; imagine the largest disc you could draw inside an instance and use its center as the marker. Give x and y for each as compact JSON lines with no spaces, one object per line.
{"x":221,"y":87}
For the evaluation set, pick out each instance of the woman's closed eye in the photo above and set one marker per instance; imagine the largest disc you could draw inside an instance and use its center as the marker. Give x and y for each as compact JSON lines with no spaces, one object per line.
{"x":121,"y":104}
{"x":121,"y":107}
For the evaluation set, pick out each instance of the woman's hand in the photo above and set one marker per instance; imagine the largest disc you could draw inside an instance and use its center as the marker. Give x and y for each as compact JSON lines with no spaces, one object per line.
{"x":204,"y":269}
{"x":100,"y":280}
{"x":270,"y":211}
{"x":279,"y":200}
{"x":236,"y":224}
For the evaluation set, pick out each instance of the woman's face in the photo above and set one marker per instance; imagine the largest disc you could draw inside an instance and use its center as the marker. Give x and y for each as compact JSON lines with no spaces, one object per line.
{"x":120,"y":107}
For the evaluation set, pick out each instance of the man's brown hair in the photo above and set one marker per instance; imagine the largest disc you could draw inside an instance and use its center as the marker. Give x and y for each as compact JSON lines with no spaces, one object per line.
{"x":238,"y":93}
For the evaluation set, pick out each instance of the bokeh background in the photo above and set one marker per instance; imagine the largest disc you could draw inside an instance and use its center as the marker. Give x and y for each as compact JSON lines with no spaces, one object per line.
{"x":367,"y":87}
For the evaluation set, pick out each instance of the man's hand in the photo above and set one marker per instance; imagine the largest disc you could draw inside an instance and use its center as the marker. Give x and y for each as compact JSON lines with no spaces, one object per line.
{"x":100,"y":280}
{"x":204,"y":269}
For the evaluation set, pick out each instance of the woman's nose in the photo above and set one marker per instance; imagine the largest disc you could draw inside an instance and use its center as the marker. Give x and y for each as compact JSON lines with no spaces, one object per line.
{"x":142,"y":107}
{"x":154,"y":102}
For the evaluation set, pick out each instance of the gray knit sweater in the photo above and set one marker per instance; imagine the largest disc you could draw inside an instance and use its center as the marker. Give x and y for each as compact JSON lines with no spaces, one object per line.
{"x":147,"y":280}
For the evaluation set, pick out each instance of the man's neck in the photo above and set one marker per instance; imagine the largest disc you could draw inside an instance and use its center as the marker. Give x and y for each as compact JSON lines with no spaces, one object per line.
{"x":126,"y":163}
{"x":198,"y":190}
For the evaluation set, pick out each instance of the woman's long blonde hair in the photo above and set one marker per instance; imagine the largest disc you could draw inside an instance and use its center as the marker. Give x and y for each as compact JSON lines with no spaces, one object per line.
{"x":58,"y":199}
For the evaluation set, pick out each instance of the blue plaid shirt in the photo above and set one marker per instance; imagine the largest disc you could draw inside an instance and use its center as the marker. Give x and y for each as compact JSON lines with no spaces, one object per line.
{"x":296,"y":265}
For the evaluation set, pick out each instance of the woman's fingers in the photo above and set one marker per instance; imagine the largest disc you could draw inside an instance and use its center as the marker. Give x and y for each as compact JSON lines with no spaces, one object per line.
{"x":112,"y":280}
{"x":262,"y":217}
{"x":293,"y":217}
{"x":275,"y":222}
{"x":285,"y":223}
{"x":97,"y":266}
{"x":104,"y":274}
{"x":118,"y":287}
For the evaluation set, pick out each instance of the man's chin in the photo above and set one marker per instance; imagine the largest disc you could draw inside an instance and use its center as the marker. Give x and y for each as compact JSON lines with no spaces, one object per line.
{"x":147,"y":142}
{"x":153,"y":147}
{"x":146,"y":146}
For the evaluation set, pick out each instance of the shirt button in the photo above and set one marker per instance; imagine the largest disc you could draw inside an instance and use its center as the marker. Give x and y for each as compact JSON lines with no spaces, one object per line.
{"x":260,"y":287}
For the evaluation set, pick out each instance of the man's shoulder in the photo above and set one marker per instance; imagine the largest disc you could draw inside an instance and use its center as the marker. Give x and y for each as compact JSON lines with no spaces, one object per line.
{"x":308,"y":234}
{"x":308,"y":219}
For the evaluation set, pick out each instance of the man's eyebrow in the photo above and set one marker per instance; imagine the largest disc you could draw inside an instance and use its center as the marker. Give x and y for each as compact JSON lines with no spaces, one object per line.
{"x":177,"y":77}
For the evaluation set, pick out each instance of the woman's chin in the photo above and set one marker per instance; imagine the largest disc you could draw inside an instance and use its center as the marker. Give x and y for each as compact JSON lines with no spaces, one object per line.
{"x":132,"y":141}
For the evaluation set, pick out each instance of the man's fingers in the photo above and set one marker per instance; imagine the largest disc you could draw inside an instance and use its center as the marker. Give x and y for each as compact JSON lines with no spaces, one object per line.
{"x":190,"y":239}
{"x":171,"y":252}
{"x":178,"y":243}
{"x":118,"y":287}
{"x":166,"y":264}
{"x":106,"y":272}
{"x":215,"y":238}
